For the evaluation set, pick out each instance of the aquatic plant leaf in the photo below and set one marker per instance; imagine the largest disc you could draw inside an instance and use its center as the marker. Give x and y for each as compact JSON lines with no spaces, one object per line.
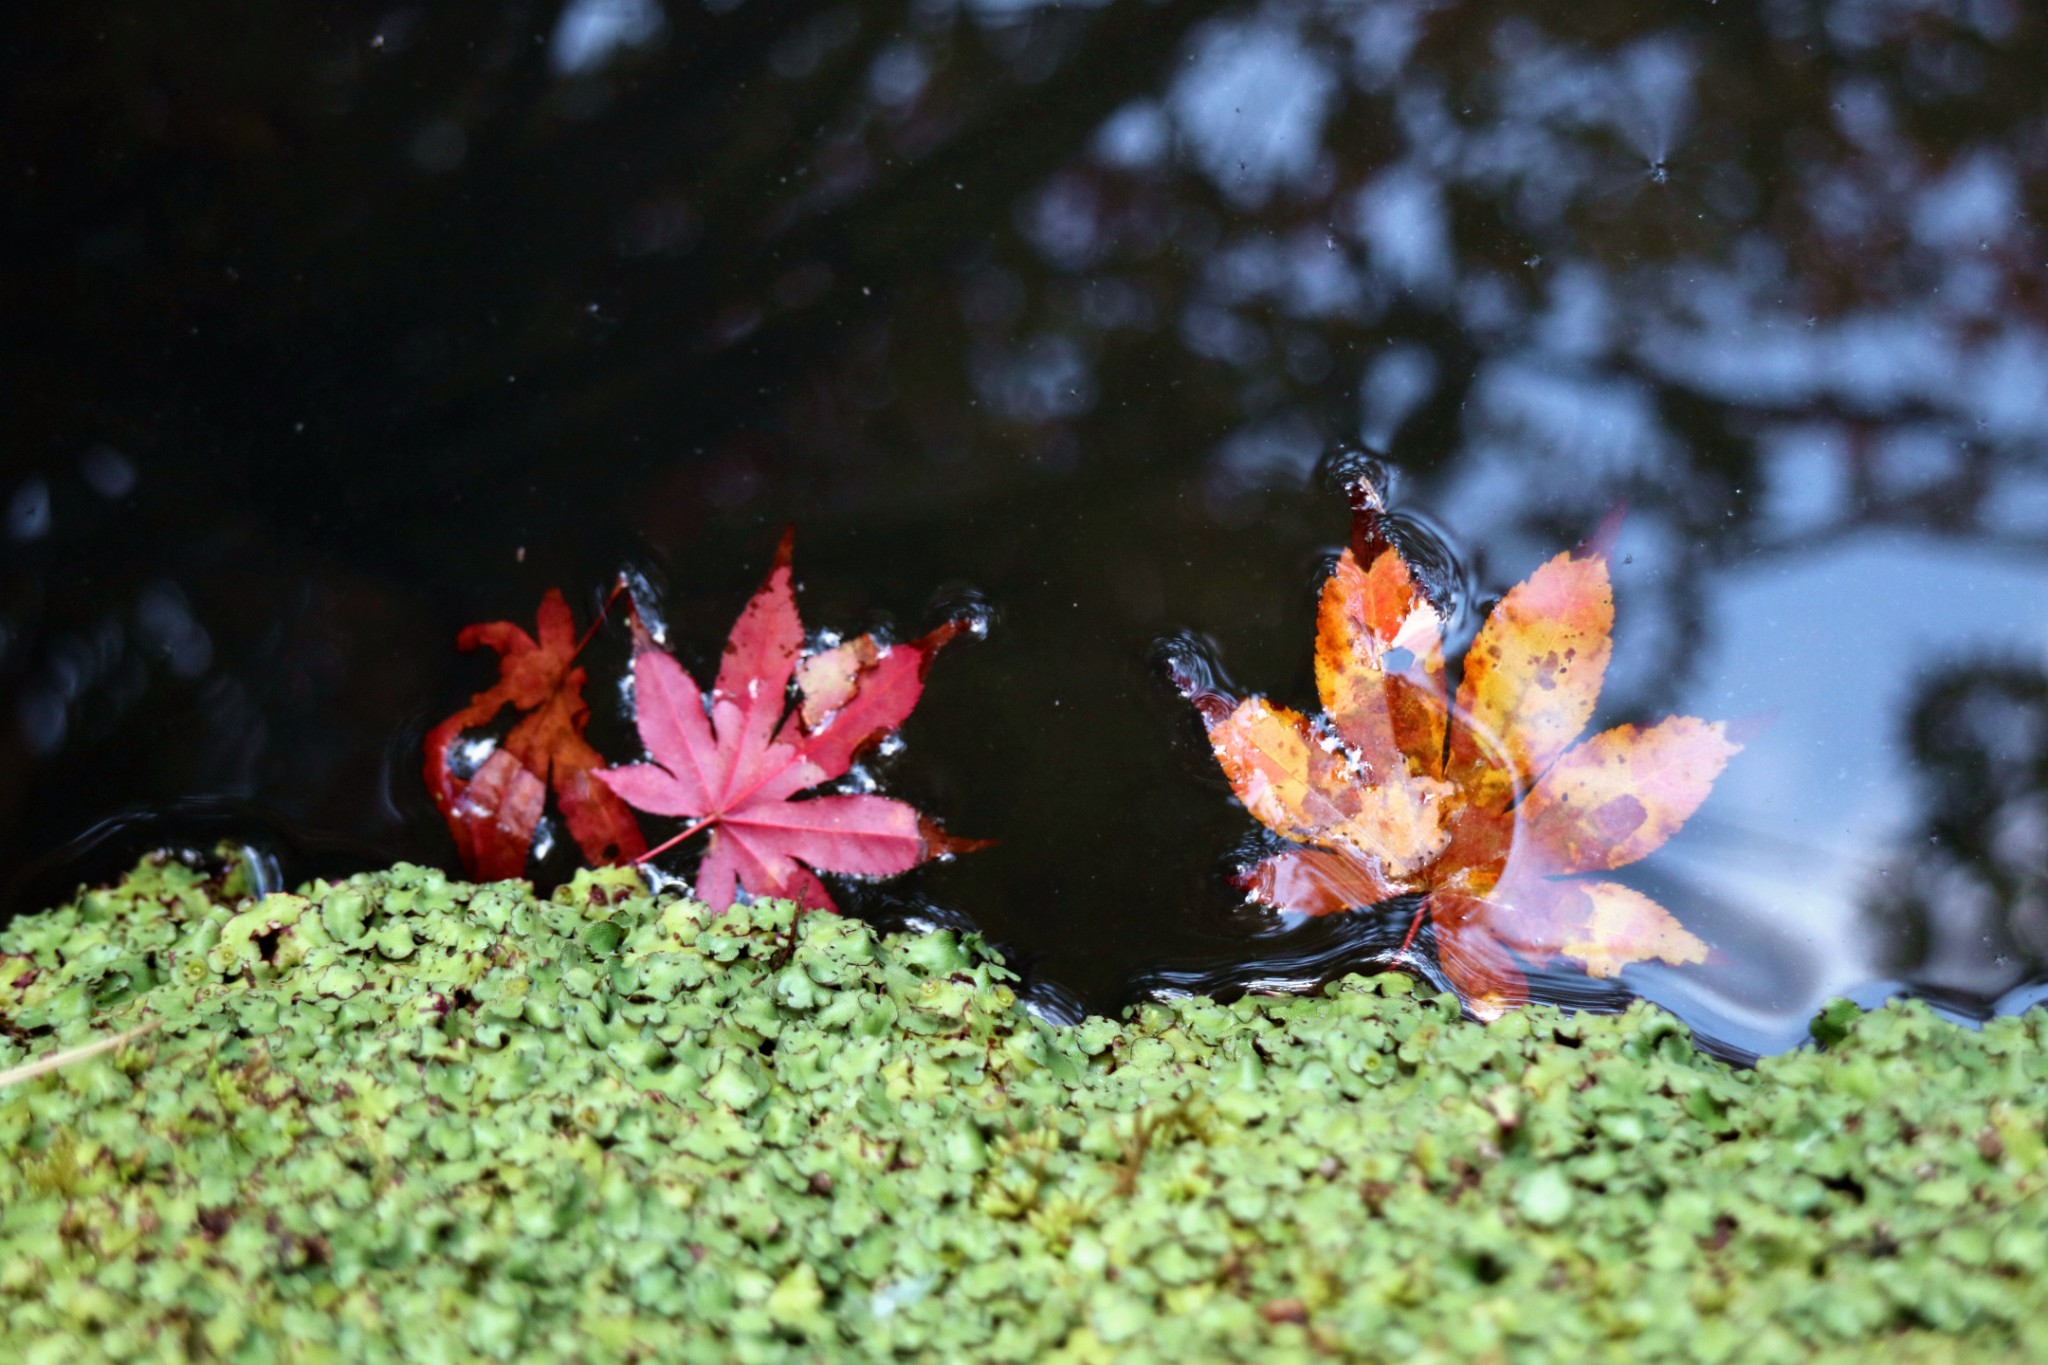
{"x":730,"y":762}
{"x":1485,"y":808}
{"x":402,"y":1117}
{"x":493,"y":814}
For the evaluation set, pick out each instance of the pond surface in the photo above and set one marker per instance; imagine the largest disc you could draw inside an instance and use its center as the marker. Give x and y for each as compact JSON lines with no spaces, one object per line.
{"x":332,"y":332}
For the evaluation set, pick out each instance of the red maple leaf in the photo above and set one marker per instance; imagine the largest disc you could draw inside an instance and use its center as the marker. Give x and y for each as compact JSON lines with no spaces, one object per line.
{"x":731,"y":763}
{"x":493,"y":815}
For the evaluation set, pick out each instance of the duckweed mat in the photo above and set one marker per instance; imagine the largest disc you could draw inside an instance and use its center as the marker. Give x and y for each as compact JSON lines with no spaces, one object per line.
{"x":403,"y":1118}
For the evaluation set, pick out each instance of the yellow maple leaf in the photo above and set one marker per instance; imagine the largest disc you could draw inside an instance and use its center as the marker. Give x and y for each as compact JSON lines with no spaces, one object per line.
{"x":1489,"y":806}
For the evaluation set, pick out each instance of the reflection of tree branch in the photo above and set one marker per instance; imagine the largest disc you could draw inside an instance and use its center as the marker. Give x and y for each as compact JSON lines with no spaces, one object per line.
{"x":1968,"y":915}
{"x":2014,"y":544}
{"x":912,"y":211}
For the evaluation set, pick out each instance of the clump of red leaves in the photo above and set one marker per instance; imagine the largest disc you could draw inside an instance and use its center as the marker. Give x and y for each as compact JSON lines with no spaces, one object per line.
{"x":735,"y":762}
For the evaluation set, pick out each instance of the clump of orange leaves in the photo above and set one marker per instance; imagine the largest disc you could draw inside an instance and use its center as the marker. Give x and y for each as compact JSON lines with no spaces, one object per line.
{"x":1489,"y":807}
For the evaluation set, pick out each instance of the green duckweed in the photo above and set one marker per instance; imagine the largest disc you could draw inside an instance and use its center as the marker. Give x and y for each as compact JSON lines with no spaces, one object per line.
{"x":404,"y":1118}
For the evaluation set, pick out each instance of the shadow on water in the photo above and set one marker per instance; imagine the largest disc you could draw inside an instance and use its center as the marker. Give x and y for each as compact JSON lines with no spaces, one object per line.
{"x":335,"y":332}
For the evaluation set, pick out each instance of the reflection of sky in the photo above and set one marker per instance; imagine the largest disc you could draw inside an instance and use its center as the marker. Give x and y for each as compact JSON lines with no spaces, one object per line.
{"x":1397,"y":380}
{"x":1010,"y":11}
{"x":591,"y":32}
{"x":1740,"y":348}
{"x":1827,"y":648}
{"x":1401,"y":216}
{"x":1252,"y":105}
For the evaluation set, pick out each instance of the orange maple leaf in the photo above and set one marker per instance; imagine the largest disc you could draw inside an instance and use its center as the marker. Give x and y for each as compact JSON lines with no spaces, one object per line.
{"x":1489,"y":807}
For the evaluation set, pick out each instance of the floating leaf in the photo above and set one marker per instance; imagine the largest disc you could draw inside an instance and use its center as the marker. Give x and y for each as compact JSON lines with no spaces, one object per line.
{"x":731,"y":761}
{"x":1484,"y":806}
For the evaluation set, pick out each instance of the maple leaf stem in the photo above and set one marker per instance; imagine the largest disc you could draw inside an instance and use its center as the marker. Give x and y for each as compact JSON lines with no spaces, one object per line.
{"x":1414,"y":927}
{"x":603,"y":609}
{"x":705,"y":823}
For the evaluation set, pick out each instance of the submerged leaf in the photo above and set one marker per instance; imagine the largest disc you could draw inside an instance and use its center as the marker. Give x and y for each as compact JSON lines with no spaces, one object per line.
{"x":1621,"y":925}
{"x":1480,"y":967}
{"x":1314,"y":882}
{"x":1618,"y":796}
{"x":493,"y":814}
{"x":1484,"y":808}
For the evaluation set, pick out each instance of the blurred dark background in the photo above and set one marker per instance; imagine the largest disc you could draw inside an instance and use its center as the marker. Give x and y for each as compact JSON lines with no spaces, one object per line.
{"x":331,"y":329}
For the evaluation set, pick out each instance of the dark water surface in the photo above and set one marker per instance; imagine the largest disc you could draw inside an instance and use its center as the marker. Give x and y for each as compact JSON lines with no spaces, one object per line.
{"x":331,"y":329}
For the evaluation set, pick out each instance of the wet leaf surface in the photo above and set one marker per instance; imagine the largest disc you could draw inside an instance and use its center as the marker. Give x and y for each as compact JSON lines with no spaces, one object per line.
{"x":1483,"y":805}
{"x":493,"y":813}
{"x":731,"y":761}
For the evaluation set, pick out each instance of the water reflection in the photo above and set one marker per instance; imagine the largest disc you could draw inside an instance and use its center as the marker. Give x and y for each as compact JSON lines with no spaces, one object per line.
{"x":1967,"y":912}
{"x":589,"y":33}
{"x":342,"y":334}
